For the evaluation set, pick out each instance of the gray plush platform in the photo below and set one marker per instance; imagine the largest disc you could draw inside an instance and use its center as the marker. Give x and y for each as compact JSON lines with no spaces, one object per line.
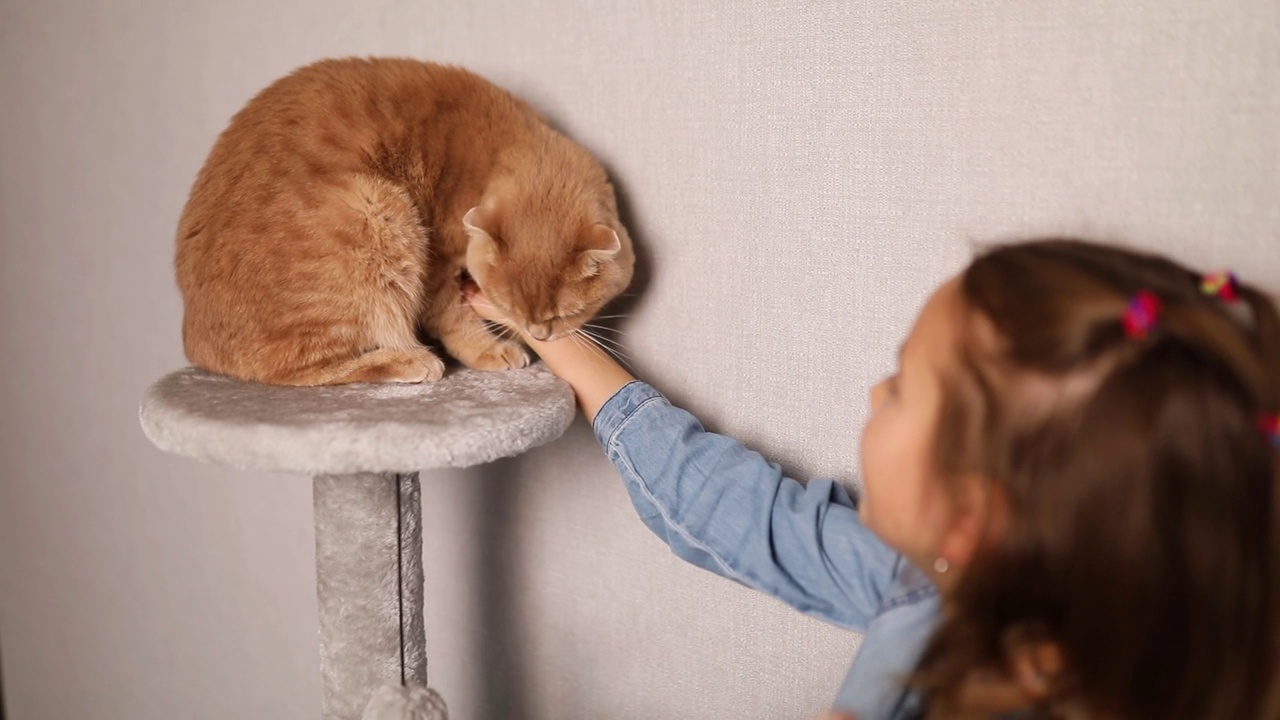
{"x":467,"y":418}
{"x":363,"y":445}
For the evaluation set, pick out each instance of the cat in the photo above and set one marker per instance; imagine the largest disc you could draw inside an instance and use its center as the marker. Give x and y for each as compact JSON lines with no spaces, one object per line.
{"x":337,"y":217}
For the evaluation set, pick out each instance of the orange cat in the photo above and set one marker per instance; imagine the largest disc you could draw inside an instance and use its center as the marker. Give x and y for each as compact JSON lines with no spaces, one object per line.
{"x":335,"y":216}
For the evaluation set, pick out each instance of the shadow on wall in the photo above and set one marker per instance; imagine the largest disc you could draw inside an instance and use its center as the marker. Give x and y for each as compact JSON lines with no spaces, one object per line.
{"x":630,"y":299}
{"x":500,"y":672}
{"x":617,"y":311}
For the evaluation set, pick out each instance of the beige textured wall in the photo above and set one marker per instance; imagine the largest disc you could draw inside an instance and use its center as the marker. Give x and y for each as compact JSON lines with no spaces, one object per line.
{"x":799,"y":174}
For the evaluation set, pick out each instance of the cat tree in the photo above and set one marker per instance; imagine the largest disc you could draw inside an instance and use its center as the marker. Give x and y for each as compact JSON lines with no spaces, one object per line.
{"x":363,"y":445}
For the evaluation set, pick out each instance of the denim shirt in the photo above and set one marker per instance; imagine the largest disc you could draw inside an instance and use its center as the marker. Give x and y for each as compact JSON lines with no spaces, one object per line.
{"x":726,"y":509}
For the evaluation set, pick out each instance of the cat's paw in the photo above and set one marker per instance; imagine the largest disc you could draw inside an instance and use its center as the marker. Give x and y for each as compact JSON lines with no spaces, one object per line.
{"x":417,"y":366}
{"x":500,"y":355}
{"x":420,"y":371}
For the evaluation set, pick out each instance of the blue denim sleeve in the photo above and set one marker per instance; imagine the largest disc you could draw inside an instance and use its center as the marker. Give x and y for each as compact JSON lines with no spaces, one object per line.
{"x":726,"y":509}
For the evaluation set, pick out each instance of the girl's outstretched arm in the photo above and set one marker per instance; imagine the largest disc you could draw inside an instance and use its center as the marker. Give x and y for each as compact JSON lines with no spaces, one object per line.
{"x":589,"y":370}
{"x":724,"y":508}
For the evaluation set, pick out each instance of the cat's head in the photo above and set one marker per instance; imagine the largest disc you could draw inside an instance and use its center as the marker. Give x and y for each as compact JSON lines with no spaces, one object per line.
{"x":548,"y":263}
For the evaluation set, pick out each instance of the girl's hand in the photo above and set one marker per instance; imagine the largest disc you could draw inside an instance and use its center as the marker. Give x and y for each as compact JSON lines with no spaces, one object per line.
{"x":593,"y":375}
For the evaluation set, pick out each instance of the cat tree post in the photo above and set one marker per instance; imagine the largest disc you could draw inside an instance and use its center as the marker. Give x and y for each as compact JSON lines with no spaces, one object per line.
{"x":363,"y":445}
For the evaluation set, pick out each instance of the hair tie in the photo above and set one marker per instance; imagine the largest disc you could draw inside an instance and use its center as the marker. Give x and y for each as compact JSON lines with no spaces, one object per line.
{"x":1269,"y":424}
{"x":1141,"y":314}
{"x":1223,"y":285}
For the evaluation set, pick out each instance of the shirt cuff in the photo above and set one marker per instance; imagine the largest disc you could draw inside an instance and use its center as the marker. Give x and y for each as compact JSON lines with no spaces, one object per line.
{"x":620,"y":407}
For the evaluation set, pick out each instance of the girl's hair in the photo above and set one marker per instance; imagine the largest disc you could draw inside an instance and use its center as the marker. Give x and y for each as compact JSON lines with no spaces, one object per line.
{"x":1142,"y":536}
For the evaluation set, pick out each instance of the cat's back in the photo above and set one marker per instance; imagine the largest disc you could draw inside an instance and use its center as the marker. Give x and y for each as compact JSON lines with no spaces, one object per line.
{"x":369,"y":95}
{"x":322,"y":122}
{"x":337,"y":116}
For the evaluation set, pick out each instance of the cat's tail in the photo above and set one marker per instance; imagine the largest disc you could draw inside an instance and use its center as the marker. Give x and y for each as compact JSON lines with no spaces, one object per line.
{"x":384,"y":365}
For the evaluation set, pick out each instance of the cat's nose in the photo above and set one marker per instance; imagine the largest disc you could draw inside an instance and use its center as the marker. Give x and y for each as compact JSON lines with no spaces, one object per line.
{"x":541,"y":331}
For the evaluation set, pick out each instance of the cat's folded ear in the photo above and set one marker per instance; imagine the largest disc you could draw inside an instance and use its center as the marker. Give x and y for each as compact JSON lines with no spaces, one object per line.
{"x":601,"y":245}
{"x":480,"y":224}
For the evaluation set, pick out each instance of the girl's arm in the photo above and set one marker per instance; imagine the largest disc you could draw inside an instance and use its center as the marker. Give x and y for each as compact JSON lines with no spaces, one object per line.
{"x":723,"y":507}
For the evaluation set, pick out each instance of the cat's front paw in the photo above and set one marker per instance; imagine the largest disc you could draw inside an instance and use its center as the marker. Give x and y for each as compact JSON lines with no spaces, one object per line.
{"x":498,"y":355}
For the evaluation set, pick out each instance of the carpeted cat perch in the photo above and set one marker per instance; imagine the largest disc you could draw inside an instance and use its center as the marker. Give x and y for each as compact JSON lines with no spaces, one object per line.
{"x":364,"y":446}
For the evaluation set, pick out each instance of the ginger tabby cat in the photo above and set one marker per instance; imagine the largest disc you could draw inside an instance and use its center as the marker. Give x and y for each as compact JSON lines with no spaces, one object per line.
{"x":337,"y":216}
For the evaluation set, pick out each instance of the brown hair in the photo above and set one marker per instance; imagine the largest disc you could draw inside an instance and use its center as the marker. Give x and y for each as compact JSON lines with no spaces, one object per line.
{"x":1143,"y":534}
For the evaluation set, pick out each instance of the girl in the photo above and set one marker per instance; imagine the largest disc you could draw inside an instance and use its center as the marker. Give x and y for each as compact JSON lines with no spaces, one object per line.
{"x":1069,"y":508}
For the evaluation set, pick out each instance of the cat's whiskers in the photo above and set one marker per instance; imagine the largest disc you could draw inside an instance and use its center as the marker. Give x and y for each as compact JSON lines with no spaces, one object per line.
{"x":611,"y":345}
{"x":602,"y":328}
{"x":493,"y":330}
{"x":622,"y":358}
{"x":585,"y":342}
{"x":605,"y":346}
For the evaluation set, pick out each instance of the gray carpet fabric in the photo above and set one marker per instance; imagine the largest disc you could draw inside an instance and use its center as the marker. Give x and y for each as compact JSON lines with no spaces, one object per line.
{"x":364,"y":445}
{"x":369,"y":588}
{"x":467,"y":418}
{"x":393,"y":702}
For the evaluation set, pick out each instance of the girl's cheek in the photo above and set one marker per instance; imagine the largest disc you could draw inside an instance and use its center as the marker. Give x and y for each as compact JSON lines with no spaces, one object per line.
{"x":869,"y":431}
{"x":878,"y":394}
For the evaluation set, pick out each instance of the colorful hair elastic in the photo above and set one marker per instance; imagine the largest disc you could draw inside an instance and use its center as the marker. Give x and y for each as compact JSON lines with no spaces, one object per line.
{"x":1269,"y":423}
{"x":1141,"y":314}
{"x":1223,"y":285}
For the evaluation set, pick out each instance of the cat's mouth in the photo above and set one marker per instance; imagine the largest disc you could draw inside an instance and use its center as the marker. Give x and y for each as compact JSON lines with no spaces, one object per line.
{"x":469,"y":285}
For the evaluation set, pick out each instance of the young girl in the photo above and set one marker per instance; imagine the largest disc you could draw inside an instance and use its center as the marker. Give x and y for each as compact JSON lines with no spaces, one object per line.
{"x":1070,"y":505}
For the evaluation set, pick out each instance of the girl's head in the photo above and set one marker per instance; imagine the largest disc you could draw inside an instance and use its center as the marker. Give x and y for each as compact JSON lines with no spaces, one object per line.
{"x":1088,"y":482}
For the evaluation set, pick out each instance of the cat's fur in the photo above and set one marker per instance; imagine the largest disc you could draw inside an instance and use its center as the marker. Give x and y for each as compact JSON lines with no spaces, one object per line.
{"x":330,"y":225}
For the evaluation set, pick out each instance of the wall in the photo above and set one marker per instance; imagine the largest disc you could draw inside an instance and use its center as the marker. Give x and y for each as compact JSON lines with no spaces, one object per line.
{"x":799,"y":175}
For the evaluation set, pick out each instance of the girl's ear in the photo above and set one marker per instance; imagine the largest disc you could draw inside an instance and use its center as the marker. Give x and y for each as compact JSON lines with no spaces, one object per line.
{"x":981,"y":512}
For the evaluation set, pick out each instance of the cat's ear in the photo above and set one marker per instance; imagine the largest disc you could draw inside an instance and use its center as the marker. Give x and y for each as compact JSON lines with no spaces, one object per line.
{"x":475,"y":222}
{"x":480,"y":219}
{"x":602,"y":246}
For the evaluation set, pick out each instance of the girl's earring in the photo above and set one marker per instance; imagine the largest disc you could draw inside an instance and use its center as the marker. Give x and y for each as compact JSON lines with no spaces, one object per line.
{"x":941,"y":565}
